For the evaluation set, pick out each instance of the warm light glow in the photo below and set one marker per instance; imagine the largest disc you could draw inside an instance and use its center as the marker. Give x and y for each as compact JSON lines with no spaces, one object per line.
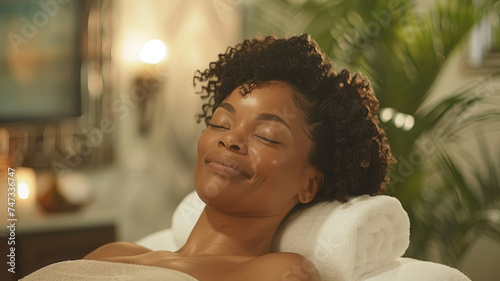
{"x":386,"y":114}
{"x":399,"y":119}
{"x":23,"y":191}
{"x":409,"y":123}
{"x":153,"y":51}
{"x":26,"y":191}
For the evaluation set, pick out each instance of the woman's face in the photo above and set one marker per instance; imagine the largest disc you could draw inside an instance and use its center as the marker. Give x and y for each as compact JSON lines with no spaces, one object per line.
{"x":253,"y":157}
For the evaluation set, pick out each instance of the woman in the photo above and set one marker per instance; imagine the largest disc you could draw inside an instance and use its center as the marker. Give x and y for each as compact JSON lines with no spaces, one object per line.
{"x":284,"y":131}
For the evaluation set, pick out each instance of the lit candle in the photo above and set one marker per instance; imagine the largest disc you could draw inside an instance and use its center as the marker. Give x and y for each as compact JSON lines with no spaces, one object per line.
{"x":26,"y":191}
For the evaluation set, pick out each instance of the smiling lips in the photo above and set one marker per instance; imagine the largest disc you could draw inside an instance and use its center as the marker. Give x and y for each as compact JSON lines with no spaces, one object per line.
{"x":224,"y":165}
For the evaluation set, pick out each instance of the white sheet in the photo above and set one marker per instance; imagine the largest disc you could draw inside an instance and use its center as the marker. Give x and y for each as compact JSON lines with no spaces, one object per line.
{"x":80,"y":270}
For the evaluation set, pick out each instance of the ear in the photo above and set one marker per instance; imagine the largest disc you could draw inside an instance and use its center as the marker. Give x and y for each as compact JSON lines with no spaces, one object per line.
{"x":311,"y":188}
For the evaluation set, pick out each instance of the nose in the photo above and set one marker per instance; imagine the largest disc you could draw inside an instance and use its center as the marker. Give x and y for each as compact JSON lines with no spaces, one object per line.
{"x":233,"y":142}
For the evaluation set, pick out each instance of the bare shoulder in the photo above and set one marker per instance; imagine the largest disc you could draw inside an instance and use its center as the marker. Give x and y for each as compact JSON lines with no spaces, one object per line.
{"x":116,"y":249}
{"x":285,"y":266}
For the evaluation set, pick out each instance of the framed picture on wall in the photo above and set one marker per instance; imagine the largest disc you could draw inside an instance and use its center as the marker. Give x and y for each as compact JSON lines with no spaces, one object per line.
{"x":40,"y":60}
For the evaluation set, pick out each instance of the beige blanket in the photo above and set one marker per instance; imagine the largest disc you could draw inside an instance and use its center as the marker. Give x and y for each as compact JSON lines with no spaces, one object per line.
{"x":80,"y":270}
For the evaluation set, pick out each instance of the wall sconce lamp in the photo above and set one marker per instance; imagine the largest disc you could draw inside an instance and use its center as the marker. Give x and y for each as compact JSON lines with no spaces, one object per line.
{"x":149,"y":81}
{"x":153,"y":52}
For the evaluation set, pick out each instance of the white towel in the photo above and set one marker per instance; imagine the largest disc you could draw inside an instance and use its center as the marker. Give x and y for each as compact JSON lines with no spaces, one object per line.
{"x":82,"y":270}
{"x":347,"y":240}
{"x":185,"y":217}
{"x":414,"y":270}
{"x":343,"y":240}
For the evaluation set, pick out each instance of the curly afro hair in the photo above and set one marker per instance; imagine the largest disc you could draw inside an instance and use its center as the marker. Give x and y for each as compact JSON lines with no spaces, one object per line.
{"x":340,"y":110}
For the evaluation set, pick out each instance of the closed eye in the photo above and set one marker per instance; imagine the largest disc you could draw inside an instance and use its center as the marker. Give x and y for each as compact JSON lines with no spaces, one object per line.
{"x":217,"y":126}
{"x":264,"y":139}
{"x":268,"y":140}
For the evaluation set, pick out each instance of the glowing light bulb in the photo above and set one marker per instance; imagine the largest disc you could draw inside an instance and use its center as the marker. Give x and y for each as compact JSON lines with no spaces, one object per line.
{"x":23,"y":191}
{"x":153,"y":52}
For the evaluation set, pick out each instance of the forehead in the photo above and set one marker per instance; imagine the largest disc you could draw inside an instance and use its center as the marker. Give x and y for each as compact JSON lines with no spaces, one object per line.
{"x":274,"y":97}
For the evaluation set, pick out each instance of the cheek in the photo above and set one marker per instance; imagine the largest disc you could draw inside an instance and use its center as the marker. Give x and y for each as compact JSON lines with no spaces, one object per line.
{"x":273,"y":163}
{"x":200,"y":144}
{"x":203,"y":143}
{"x":265,"y":159}
{"x":202,"y":148}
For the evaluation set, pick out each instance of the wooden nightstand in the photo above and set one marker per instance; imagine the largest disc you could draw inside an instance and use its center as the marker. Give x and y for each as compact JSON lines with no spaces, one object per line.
{"x":44,"y":239}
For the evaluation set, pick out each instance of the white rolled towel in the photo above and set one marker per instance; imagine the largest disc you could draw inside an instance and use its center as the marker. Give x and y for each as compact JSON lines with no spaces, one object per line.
{"x":343,"y":240}
{"x":346,"y":240}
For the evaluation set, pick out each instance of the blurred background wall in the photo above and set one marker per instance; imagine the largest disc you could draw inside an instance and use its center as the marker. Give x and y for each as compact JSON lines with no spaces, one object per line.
{"x":158,"y":163}
{"x":127,"y":159}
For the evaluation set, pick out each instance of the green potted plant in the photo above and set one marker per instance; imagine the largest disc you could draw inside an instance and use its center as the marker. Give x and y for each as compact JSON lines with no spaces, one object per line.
{"x":403,"y":51}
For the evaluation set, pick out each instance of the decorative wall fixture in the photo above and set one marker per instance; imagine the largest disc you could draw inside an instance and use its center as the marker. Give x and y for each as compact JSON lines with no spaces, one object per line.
{"x":56,"y":99}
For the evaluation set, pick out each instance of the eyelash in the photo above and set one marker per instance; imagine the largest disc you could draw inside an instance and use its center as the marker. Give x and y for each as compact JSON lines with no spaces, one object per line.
{"x":262,"y":138}
{"x":268,"y":140}
{"x":217,"y":126}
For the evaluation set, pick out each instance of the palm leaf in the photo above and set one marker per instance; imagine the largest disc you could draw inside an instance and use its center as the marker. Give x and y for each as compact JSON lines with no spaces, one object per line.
{"x":460,"y":209}
{"x":403,"y":58}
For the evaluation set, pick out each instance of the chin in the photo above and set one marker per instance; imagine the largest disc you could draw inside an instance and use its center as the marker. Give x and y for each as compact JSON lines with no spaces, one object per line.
{"x":210,"y":187}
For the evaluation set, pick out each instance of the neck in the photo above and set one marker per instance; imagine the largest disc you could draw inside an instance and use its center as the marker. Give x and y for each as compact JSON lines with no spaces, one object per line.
{"x":218,"y":233}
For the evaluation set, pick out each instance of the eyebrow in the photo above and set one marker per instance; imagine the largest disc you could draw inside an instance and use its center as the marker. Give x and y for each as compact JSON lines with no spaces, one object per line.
{"x":262,"y":116}
{"x":227,"y":106}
